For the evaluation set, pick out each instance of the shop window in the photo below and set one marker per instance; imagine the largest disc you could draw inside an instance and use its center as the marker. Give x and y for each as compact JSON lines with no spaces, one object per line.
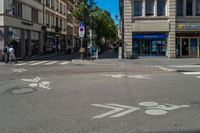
{"x":189,"y":7}
{"x":179,"y":7}
{"x":161,"y":7}
{"x":137,"y":8}
{"x":149,"y":7}
{"x":198,"y":7}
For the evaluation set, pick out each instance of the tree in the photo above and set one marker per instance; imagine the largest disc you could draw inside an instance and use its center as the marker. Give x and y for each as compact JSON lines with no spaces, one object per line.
{"x":99,"y":20}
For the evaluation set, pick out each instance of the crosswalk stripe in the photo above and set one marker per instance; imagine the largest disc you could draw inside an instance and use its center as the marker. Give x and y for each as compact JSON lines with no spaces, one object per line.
{"x":37,"y":63}
{"x":50,"y":63}
{"x":187,"y":66}
{"x":64,"y":63}
{"x":21,"y":64}
{"x":191,"y":73}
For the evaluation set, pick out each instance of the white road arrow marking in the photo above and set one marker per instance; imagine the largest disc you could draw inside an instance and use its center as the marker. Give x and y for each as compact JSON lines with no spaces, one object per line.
{"x":131,"y":109}
{"x":115,"y":110}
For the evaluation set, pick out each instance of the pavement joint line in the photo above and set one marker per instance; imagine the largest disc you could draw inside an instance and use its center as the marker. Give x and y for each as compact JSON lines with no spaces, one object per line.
{"x":166,"y":69}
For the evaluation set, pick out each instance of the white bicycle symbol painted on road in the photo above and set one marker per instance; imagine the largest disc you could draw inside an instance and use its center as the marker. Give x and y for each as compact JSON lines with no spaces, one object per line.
{"x":154,"y":108}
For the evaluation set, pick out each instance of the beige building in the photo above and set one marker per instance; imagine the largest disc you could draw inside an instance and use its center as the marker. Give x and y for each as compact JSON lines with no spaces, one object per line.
{"x":37,"y":26}
{"x":161,"y":28}
{"x":55,"y":24}
{"x":20,"y":26}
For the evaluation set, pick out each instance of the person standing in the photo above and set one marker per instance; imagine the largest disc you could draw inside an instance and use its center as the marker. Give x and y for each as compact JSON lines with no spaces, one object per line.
{"x":6,"y":52}
{"x":12,"y":55}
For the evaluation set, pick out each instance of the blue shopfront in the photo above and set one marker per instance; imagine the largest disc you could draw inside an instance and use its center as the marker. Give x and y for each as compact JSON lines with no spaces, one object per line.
{"x":150,"y":44}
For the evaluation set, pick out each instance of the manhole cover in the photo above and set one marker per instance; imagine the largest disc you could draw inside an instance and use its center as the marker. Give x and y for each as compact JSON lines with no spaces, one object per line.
{"x":23,"y":90}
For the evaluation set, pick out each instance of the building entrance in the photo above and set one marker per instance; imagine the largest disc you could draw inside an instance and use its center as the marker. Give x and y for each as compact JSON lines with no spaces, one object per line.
{"x":187,"y":47}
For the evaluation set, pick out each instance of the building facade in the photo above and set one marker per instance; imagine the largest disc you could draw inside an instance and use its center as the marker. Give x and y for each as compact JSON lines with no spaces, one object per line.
{"x":161,"y":28}
{"x":20,"y":26}
{"x":34,"y":27}
{"x":55,"y":24}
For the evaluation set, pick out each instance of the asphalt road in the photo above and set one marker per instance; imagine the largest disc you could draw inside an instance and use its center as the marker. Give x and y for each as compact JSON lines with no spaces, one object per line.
{"x":105,"y":96}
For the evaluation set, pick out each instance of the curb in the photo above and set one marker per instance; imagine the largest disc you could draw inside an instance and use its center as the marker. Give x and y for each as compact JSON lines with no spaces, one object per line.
{"x":166,"y":69}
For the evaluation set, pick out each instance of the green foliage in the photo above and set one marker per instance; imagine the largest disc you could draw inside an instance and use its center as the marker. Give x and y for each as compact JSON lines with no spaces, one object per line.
{"x":97,"y":19}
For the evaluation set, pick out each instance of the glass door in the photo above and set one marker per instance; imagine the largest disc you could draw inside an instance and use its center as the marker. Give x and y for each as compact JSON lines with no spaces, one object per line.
{"x":193,"y":47}
{"x":185,"y":47}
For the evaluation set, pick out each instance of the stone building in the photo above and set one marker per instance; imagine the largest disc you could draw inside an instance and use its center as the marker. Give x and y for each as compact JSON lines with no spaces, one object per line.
{"x":20,"y":26}
{"x":35,"y":27}
{"x":161,"y":28}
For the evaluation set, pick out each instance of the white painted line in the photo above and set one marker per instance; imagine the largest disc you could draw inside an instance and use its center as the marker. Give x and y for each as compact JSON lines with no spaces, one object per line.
{"x":37,"y":63}
{"x":32,"y":80}
{"x":21,"y":64}
{"x":191,"y":73}
{"x":198,"y":77}
{"x":50,"y":63}
{"x":64,"y":63}
{"x":140,"y":76}
{"x":115,"y":110}
{"x":187,"y":66}
{"x":155,"y":112}
{"x":166,"y":69}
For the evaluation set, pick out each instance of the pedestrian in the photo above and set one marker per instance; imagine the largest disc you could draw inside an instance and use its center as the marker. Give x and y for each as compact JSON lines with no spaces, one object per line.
{"x":12,"y":54}
{"x":6,"y":52}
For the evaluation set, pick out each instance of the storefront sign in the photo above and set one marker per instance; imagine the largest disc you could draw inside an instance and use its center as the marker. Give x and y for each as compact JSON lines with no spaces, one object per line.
{"x":188,"y":27}
{"x":27,"y":23}
{"x":149,"y":36}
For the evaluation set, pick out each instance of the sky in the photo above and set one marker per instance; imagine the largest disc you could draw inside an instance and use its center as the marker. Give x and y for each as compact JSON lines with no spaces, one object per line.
{"x":110,"y":5}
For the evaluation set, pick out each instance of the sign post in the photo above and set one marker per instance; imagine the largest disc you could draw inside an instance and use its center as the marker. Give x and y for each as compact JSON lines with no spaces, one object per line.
{"x":81,"y":35}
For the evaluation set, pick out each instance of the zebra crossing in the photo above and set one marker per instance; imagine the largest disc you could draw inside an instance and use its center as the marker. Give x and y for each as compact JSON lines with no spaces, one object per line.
{"x":196,"y":74}
{"x":192,"y":73}
{"x":42,"y":63}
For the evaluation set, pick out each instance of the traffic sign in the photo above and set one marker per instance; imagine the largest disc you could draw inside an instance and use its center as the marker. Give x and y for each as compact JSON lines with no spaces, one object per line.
{"x":81,"y":31}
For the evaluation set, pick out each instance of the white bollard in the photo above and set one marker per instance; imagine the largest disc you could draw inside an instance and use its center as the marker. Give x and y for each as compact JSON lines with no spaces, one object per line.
{"x":119,"y":52}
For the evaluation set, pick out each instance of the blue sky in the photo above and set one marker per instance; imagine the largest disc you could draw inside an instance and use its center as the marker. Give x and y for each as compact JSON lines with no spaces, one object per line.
{"x":110,"y":5}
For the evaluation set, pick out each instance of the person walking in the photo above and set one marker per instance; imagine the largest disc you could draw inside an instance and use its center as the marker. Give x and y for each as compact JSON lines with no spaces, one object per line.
{"x":6,"y":53}
{"x":12,"y":55}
